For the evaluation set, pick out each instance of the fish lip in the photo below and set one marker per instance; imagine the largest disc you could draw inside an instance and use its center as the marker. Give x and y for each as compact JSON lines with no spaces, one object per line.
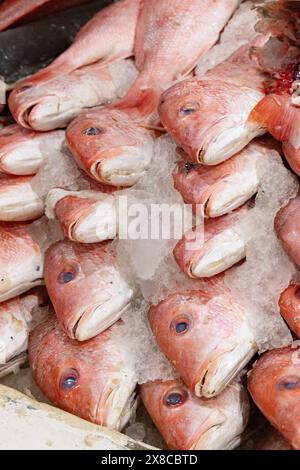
{"x":21,"y":288}
{"x":44,"y":122}
{"x":74,"y":227}
{"x":126,"y":177}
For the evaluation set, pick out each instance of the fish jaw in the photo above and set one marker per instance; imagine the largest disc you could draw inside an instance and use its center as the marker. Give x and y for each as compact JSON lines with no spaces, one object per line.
{"x":110,"y":147}
{"x":18,"y":201}
{"x":216,"y":344}
{"x":21,"y":160}
{"x":274,"y":386}
{"x":289,"y":303}
{"x":195,"y":423}
{"x":84,"y":216}
{"x":202,"y":117}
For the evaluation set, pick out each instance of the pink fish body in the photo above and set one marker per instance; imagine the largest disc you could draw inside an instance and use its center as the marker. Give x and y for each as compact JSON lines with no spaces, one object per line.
{"x":287,"y":226}
{"x":21,"y":151}
{"x":274,"y":384}
{"x":114,"y":145}
{"x":85,"y":287}
{"x":21,"y":261}
{"x":91,"y":379}
{"x":190,"y":423}
{"x":205,"y":336}
{"x":289,"y":304}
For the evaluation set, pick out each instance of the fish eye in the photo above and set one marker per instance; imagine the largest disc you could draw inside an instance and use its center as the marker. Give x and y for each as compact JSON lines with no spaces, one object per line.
{"x":67,"y":276}
{"x":175,"y":398}
{"x":69,"y":380}
{"x":188,"y":109}
{"x":181,"y":324}
{"x":289,"y":383}
{"x":92,"y":131}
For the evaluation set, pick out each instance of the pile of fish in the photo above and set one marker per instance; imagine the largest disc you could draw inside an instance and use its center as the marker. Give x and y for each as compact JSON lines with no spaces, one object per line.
{"x":188,"y":102}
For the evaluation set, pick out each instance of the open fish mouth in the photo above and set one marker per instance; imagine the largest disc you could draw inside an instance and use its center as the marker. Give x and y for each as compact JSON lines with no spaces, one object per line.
{"x":124,"y":169}
{"x":222,"y":370}
{"x":98,"y":318}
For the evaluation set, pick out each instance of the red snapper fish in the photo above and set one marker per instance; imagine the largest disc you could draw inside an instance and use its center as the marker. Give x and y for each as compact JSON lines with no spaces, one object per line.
{"x":114,"y":145}
{"x":187,"y":422}
{"x":289,"y":303}
{"x":274,"y":384}
{"x":92,"y":380}
{"x":108,"y":36}
{"x":86,"y":289}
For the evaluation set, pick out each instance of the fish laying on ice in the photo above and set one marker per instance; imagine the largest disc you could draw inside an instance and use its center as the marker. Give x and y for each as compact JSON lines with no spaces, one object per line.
{"x":287,"y":226}
{"x":190,"y":423}
{"x":274,"y":384}
{"x":85,"y":287}
{"x":108,"y":36}
{"x":56,"y":102}
{"x":222,"y":188}
{"x":205,"y":335}
{"x":91,"y":379}
{"x":21,"y":151}
{"x":114,"y":145}
{"x":211,"y":248}
{"x":18,"y":200}
{"x":21,"y":11}
{"x":21,"y":261}
{"x":17,"y":317}
{"x":84,"y":216}
{"x":289,"y":304}
{"x":208,"y":116}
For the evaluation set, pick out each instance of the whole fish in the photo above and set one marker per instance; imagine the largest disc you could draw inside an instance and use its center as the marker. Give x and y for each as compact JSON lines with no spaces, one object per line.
{"x":17,"y":317}
{"x":92,"y":380}
{"x":274,"y":385}
{"x":21,"y":151}
{"x":190,"y":423}
{"x":18,"y":200}
{"x":17,"y":11}
{"x":114,"y":146}
{"x":208,"y":116}
{"x":56,"y":102}
{"x":289,"y":303}
{"x":221,"y":245}
{"x":287,"y":226}
{"x":205,"y":335}
{"x":86,"y":289}
{"x":21,"y":261}
{"x":107,"y":37}
{"x":220,"y":189}
{"x":84,"y":216}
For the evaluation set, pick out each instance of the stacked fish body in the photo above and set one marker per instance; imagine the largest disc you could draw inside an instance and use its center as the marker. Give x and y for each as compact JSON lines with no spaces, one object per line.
{"x":205,"y":330}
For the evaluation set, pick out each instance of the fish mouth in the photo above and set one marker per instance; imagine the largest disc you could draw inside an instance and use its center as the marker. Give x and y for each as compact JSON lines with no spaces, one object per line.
{"x":227,"y":249}
{"x":100,"y":317}
{"x":96,"y":227}
{"x":21,"y":288}
{"x":22,"y":161}
{"x":216,"y":439}
{"x":124,"y":169}
{"x":227,"y":141}
{"x":223,"y":368}
{"x":51,"y":113}
{"x":20,"y":204}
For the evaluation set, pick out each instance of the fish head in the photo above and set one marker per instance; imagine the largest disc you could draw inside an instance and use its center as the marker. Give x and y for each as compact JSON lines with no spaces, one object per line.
{"x":86,"y":289}
{"x":190,"y":423}
{"x":287,"y":227}
{"x":289,"y":303}
{"x":202,"y":117}
{"x":274,"y":384}
{"x":205,"y":336}
{"x":89,"y":379}
{"x":110,"y":146}
{"x":21,"y":261}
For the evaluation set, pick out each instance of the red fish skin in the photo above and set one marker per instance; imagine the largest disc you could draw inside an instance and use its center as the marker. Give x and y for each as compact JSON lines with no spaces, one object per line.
{"x":287,"y":226}
{"x":184,"y":426}
{"x":91,"y":282}
{"x":289,"y":303}
{"x":214,"y":325}
{"x":21,"y":260}
{"x":96,"y":366}
{"x":274,"y":385}
{"x":161,"y":57}
{"x":188,"y":253}
{"x":198,"y":111}
{"x":21,"y":11}
{"x":108,"y":36}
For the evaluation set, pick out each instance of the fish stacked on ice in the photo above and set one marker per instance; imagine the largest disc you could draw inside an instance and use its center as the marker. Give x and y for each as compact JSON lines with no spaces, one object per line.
{"x":194,"y":309}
